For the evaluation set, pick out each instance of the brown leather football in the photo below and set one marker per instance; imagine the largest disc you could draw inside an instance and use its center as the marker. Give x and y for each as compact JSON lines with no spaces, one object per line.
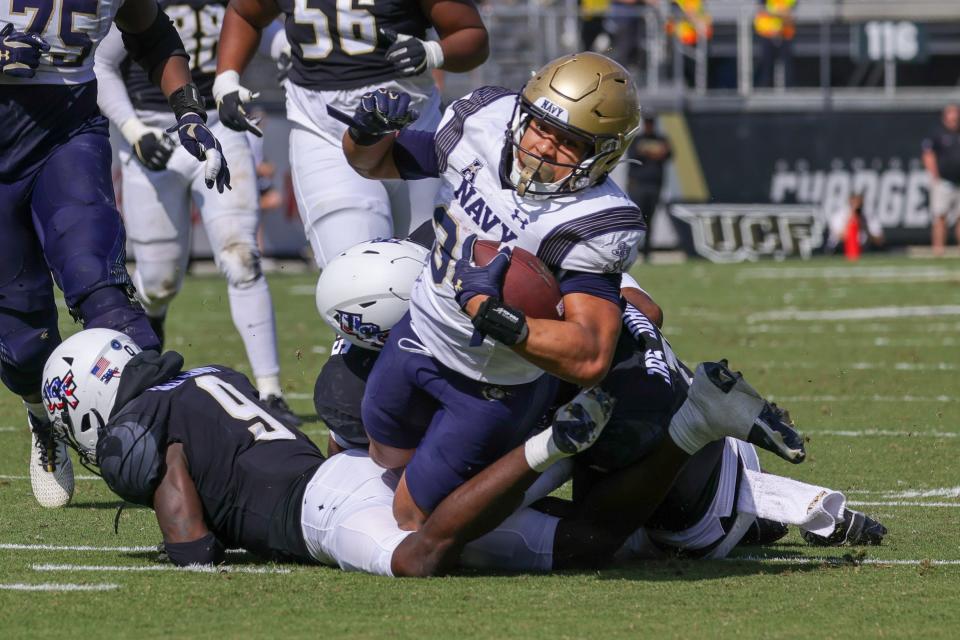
{"x":529,"y":285}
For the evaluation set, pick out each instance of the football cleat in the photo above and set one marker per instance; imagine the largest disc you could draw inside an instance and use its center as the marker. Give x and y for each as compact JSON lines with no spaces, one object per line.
{"x":854,"y":529}
{"x":51,"y":471}
{"x":280,"y":410}
{"x":774,"y":431}
{"x":763,"y":532}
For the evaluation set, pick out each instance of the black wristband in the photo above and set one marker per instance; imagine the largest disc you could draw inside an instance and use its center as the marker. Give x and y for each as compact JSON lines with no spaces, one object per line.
{"x":186,"y":100}
{"x":205,"y":550}
{"x":501,"y":322}
{"x":365,"y":139}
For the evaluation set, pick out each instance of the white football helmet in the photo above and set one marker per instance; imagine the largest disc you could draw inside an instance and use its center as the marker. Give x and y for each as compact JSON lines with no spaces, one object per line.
{"x":365,"y":290}
{"x":80,"y":382}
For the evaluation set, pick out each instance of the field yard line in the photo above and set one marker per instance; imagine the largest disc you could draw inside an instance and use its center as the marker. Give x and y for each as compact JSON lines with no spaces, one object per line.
{"x":883,"y":433}
{"x":159,"y":567}
{"x":5,"y":477}
{"x":862,"y":313}
{"x":53,"y":586}
{"x":839,"y":560}
{"x":887,"y":274}
{"x":943,"y":492}
{"x":11,"y":429}
{"x":874,"y":398}
{"x":857,"y":366}
{"x":10,"y":546}
{"x":298,"y":396}
{"x":902,"y":503}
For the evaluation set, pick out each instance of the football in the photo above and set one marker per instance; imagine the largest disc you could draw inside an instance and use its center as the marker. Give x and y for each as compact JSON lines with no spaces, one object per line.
{"x":529,"y":285}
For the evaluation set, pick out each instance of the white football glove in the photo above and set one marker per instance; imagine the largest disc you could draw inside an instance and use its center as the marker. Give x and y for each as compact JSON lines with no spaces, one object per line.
{"x":230,"y":97}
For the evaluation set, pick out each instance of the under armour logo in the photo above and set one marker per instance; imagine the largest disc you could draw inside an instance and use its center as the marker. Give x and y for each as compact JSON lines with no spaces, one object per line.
{"x":519,"y":217}
{"x":4,"y":55}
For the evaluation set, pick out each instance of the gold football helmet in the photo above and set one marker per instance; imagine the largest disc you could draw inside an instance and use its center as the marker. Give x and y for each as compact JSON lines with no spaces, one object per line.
{"x":588,"y":96}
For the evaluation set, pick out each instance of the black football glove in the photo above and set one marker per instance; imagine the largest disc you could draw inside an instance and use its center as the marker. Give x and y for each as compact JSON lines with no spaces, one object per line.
{"x":200,"y":142}
{"x":230,"y":98}
{"x":20,"y":52}
{"x":411,"y":56}
{"x":379,"y":113}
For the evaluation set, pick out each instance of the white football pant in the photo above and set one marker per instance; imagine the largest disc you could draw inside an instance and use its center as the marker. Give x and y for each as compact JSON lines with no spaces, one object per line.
{"x":156,"y":207}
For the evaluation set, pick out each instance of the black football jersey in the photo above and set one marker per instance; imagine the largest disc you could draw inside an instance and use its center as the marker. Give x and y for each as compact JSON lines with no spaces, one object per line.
{"x":249,"y":469}
{"x":198,"y":22}
{"x":336,"y":44}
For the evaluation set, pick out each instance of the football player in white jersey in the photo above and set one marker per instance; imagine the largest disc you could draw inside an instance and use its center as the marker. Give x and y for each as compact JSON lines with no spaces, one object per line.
{"x":57,"y":210}
{"x":341,"y":51}
{"x":462,"y":378}
{"x":160,"y":182}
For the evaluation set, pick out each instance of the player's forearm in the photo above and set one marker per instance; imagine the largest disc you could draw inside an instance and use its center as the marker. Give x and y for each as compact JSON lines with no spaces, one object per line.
{"x":567,"y":350}
{"x":172,"y":74}
{"x":240,"y":35}
{"x":475,"y":508}
{"x":374,"y":161}
{"x":465,"y":49}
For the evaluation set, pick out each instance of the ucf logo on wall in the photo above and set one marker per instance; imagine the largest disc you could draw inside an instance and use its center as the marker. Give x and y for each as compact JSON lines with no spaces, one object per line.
{"x":743,"y":232}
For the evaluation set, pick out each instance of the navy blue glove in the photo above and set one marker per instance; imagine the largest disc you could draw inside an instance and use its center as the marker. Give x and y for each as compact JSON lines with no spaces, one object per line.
{"x":379,"y":113}
{"x":469,"y":280}
{"x":200,"y":142}
{"x":20,"y":52}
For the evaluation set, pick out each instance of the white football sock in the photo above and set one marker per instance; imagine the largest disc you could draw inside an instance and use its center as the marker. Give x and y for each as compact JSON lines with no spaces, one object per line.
{"x":252,"y":311}
{"x":812,"y":508}
{"x":709,"y":414}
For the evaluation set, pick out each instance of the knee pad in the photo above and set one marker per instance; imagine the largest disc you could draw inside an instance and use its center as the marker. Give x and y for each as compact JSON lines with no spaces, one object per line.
{"x":157,"y":283}
{"x":240,"y":263}
{"x":116,"y":308}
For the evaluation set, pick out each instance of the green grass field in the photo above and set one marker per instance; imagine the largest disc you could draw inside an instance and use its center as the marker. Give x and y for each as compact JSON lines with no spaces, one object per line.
{"x":866,"y":357}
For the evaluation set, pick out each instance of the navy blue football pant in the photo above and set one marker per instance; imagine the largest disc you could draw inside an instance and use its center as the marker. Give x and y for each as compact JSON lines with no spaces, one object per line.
{"x":458,"y":426}
{"x":61,"y":218}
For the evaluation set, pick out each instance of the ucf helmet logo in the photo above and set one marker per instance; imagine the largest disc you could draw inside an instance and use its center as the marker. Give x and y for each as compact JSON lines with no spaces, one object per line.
{"x":352,"y":324}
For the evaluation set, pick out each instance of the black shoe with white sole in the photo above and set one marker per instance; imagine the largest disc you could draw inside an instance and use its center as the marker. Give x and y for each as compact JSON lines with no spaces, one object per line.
{"x":853,"y":530}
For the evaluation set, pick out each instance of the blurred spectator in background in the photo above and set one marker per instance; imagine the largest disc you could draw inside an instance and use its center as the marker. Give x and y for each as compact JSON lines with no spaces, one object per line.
{"x":689,"y":21}
{"x":650,"y":152}
{"x":852,"y":230}
{"x":593,"y":32}
{"x":941,"y":158}
{"x":775,"y":26}
{"x":628,"y":19}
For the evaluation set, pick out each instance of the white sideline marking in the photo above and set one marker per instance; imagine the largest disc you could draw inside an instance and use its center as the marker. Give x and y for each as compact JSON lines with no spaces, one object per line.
{"x":9,"y":546}
{"x":838,"y":560}
{"x":901,"y":503}
{"x":868,"y":313}
{"x":856,"y":366}
{"x":303,"y":290}
{"x":159,"y":567}
{"x":882,"y":433}
{"x":53,"y":586}
{"x":298,"y":396}
{"x":874,"y":398}
{"x":943,"y":492}
{"x":882,"y":274}
{"x":11,"y":429}
{"x":5,"y":477}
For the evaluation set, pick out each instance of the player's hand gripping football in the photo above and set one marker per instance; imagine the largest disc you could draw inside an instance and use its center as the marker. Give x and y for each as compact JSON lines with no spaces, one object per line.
{"x":230,"y":98}
{"x":470,"y":280}
{"x":380,"y":112}
{"x":411,"y":56}
{"x":200,"y":142}
{"x":20,"y":52}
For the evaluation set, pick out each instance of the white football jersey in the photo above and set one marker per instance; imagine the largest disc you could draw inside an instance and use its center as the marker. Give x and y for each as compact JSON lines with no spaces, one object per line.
{"x":596,"y":230}
{"x":72,"y":28}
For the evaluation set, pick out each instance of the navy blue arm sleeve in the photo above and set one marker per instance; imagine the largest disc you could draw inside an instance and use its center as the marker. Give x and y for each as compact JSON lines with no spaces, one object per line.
{"x":415,"y":154}
{"x":601,"y":285}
